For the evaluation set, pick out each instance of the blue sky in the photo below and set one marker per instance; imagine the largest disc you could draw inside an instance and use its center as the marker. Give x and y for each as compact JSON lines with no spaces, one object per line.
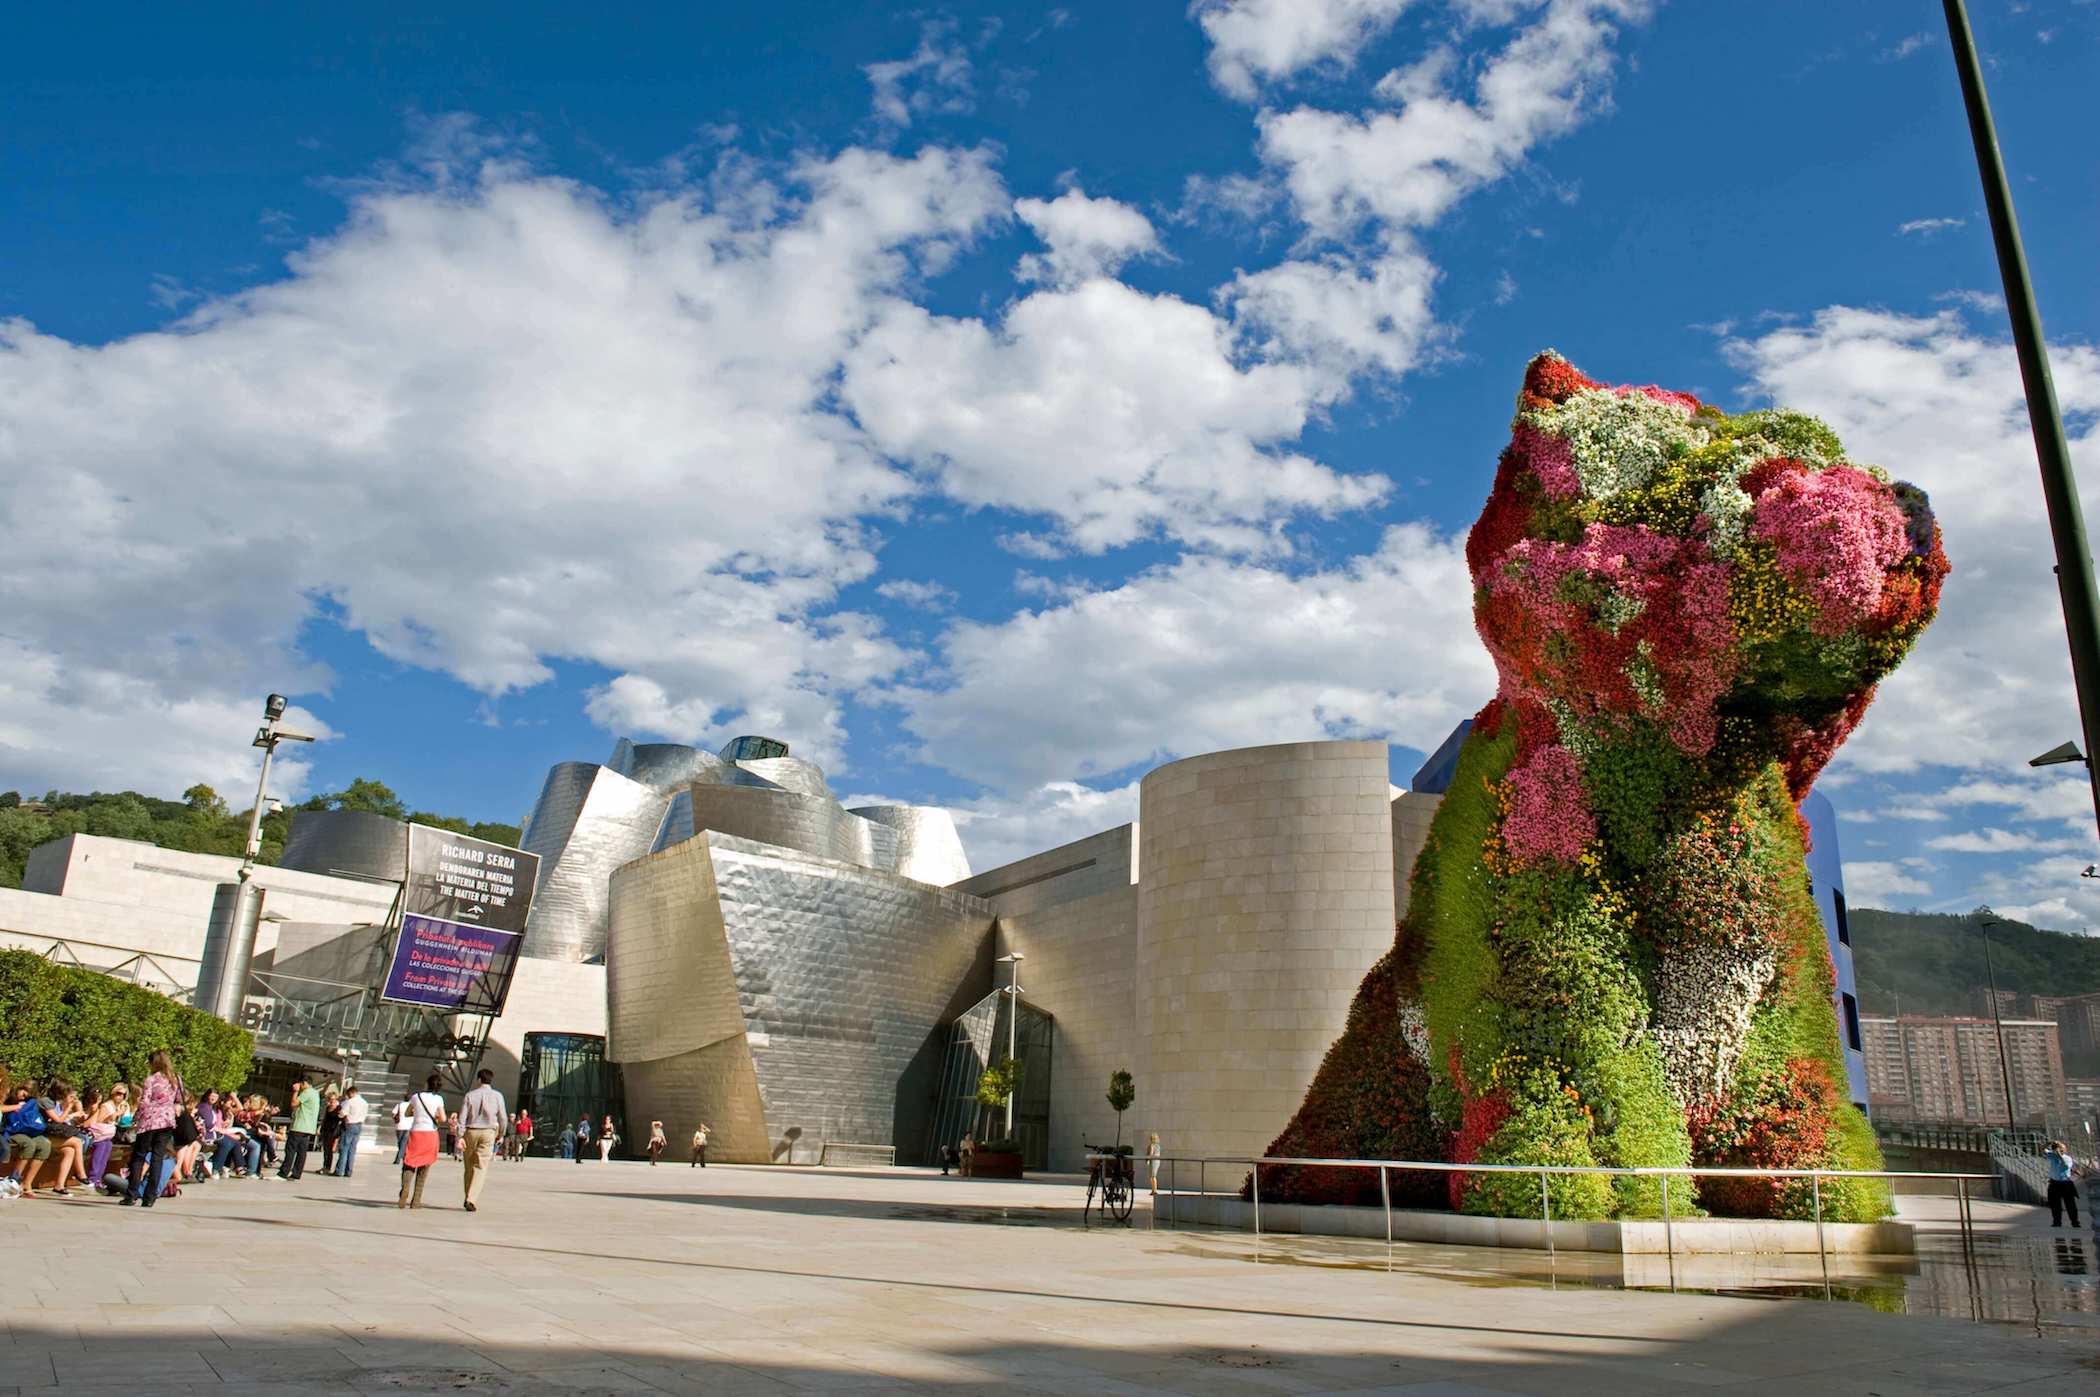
{"x":991,"y":401}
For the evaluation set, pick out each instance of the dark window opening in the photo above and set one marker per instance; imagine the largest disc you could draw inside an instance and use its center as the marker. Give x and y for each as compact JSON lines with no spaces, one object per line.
{"x":1852,"y":1022}
{"x":1837,"y":900}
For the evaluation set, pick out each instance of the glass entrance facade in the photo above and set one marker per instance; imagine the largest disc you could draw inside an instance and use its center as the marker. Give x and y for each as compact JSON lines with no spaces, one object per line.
{"x":977,"y":1039}
{"x":563,"y":1077}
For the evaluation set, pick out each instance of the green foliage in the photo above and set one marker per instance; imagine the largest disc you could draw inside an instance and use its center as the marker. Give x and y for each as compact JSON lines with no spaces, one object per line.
{"x":1122,"y":1090}
{"x":999,"y":1082}
{"x":1456,"y":893}
{"x":1927,"y":963}
{"x":93,"y":1030}
{"x":199,"y":823}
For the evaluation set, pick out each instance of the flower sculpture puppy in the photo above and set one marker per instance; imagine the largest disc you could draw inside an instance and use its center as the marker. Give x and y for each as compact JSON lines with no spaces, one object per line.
{"x":1611,"y":954}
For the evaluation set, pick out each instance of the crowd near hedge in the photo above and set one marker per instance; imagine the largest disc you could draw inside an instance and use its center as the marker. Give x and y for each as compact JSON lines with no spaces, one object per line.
{"x":92,"y":1030}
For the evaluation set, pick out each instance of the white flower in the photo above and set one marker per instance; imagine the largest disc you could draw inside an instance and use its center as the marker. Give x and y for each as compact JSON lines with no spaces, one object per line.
{"x":1618,"y":441}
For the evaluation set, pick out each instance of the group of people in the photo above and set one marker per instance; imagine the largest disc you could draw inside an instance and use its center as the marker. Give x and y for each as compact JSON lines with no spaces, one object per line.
{"x":575,"y":1140}
{"x":473,"y":1132}
{"x":56,"y":1137}
{"x":513,"y":1139}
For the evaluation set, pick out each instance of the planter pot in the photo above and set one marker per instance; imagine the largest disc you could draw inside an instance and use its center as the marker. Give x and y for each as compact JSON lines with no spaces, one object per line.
{"x":989,"y":1165}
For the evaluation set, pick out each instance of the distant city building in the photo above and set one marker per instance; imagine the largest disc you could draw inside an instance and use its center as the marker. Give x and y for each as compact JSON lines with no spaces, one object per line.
{"x":1927,"y":1068}
{"x":2011,"y":1004}
{"x":2082,"y":1098}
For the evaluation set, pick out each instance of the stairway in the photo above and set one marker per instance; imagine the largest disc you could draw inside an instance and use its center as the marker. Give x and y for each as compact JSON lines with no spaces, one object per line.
{"x":384,"y":1090}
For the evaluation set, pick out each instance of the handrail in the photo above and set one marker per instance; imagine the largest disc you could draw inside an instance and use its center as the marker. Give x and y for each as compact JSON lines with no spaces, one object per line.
{"x":1385,"y":1167}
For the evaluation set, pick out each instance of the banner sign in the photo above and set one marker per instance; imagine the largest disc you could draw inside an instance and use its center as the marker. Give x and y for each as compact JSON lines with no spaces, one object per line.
{"x":464,"y":904}
{"x":440,"y":964}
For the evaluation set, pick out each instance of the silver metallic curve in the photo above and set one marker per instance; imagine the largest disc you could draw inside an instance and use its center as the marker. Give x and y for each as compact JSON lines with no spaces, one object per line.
{"x":347,"y":841}
{"x":928,"y":848}
{"x":783,"y":998}
{"x":587,"y":822}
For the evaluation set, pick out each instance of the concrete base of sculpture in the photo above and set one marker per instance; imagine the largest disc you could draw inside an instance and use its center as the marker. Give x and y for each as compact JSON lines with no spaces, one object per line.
{"x":1632,"y":1237}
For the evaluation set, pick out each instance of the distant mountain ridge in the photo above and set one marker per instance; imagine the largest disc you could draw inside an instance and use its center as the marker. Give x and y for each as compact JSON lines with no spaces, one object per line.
{"x":1932,"y":963}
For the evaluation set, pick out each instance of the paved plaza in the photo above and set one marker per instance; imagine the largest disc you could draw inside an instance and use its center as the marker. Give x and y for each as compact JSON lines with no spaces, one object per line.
{"x":623,"y":1278}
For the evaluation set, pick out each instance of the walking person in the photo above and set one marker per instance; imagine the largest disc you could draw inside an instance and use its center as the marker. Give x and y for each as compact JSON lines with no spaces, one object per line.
{"x":481,"y":1120}
{"x":2063,"y":1185}
{"x":419,"y":1149}
{"x":565,"y":1143}
{"x":1152,"y":1162}
{"x":522,"y":1137}
{"x":154,"y":1142}
{"x":402,"y":1111}
{"x":299,"y":1136}
{"x":700,"y":1134}
{"x":331,"y":1126}
{"x":353,"y":1111}
{"x":583,"y":1138}
{"x":607,"y":1138}
{"x":656,"y":1141}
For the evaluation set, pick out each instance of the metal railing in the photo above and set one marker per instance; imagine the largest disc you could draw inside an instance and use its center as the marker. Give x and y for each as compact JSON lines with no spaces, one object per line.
{"x":1544,"y":1173}
{"x":133,"y":969}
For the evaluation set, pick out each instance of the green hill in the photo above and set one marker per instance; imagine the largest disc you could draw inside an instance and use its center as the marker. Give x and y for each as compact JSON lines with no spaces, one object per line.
{"x":199,"y":823}
{"x":1922,"y":963}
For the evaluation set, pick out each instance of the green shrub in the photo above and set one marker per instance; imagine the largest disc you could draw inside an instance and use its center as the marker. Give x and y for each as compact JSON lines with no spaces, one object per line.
{"x":92,"y":1030}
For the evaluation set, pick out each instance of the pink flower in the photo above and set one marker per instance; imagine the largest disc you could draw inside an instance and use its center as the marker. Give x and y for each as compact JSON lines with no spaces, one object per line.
{"x":1838,"y":531}
{"x":1552,"y":460}
{"x":1661,"y":395}
{"x":1548,"y":815}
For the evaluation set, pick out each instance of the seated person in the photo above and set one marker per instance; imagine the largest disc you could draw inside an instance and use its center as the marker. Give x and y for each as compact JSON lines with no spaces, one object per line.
{"x":28,"y":1138}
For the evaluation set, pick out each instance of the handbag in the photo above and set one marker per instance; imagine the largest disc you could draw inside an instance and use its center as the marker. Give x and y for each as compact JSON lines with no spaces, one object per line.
{"x":186,"y":1131}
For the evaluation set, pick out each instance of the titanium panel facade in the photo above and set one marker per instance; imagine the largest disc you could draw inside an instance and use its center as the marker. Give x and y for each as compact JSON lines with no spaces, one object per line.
{"x":927,"y":846}
{"x":587,"y":822}
{"x":354,"y":842}
{"x":827,"y":984}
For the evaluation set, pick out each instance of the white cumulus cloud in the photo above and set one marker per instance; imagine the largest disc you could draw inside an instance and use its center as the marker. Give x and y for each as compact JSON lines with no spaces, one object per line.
{"x":1259,"y":41}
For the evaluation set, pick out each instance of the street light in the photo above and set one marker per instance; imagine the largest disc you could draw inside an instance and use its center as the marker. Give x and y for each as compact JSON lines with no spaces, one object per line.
{"x":236,"y":907}
{"x":1984,"y":918}
{"x":2076,"y":589}
{"x":1013,"y":1020}
{"x":2058,"y":755}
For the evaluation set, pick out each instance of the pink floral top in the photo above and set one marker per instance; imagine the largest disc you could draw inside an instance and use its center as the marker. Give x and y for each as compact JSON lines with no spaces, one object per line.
{"x":156,"y":1105}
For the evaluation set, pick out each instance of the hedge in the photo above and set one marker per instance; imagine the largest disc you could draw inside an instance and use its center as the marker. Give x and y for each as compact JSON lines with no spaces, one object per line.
{"x":92,"y":1030}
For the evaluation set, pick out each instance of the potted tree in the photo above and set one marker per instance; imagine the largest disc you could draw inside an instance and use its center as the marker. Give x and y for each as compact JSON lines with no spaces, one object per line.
{"x":1121,"y":1092}
{"x":998,"y":1157}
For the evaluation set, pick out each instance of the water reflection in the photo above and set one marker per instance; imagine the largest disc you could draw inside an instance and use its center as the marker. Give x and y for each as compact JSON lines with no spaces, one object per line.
{"x":2025,"y":1278}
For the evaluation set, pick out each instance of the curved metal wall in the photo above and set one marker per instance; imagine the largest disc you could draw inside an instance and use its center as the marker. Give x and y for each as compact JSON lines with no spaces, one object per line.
{"x":810,"y":824}
{"x":784,"y":998}
{"x":587,"y":822}
{"x":790,"y":774}
{"x":1266,"y":893}
{"x":928,"y":848}
{"x":347,"y":841}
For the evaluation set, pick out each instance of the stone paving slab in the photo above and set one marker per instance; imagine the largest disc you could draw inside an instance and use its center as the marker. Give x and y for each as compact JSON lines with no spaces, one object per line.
{"x":624,"y":1279}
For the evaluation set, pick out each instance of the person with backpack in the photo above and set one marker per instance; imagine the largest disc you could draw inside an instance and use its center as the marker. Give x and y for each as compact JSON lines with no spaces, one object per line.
{"x":426,"y":1117}
{"x":153,"y":1146}
{"x":28,"y":1136}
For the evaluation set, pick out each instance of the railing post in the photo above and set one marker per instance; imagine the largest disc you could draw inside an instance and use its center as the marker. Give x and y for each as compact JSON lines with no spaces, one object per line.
{"x":1385,"y":1194}
{"x":1669,"y":1242}
{"x":1815,"y":1183}
{"x":1173,"y":1208}
{"x":1961,"y":1213}
{"x":1546,"y":1213}
{"x":1257,"y":1198}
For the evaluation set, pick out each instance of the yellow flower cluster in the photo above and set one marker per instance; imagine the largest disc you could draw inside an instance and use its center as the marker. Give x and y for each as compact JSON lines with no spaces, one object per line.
{"x":1762,"y":603}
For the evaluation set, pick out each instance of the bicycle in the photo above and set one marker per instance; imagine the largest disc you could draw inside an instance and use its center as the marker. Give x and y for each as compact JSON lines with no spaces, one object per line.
{"x":1110,"y":1175}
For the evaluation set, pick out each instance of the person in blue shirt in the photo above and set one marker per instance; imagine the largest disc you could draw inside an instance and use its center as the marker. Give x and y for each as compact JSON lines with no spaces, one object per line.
{"x":2063,"y":1191}
{"x":568,"y":1142}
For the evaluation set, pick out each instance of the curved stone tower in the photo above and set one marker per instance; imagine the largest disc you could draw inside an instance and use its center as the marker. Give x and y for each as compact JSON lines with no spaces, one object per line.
{"x":1266,"y":891}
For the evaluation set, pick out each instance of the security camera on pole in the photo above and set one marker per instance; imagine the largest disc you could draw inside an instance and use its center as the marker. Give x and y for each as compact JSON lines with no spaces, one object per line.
{"x":236,"y":908}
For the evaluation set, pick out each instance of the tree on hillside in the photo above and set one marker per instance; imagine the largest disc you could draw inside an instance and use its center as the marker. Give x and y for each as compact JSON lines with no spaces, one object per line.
{"x":373,"y":797}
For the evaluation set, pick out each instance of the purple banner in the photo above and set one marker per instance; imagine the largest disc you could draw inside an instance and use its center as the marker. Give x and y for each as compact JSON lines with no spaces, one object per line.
{"x":438,"y":963}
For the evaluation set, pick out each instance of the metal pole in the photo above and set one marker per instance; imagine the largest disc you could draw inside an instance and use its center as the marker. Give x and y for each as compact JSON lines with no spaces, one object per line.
{"x":1998,"y":1024}
{"x":1546,"y":1212}
{"x":1669,"y":1242}
{"x":262,"y":787}
{"x":1173,"y":1206}
{"x":1013,"y":1022}
{"x":1962,"y":1212}
{"x":2074,"y":561}
{"x":1385,"y":1194}
{"x":1815,"y":1183}
{"x":1257,"y":1198}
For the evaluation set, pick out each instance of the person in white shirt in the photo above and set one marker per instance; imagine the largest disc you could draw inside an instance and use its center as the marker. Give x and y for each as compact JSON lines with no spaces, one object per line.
{"x":481,"y":1119}
{"x":353,"y":1111}
{"x":403,"y":1109}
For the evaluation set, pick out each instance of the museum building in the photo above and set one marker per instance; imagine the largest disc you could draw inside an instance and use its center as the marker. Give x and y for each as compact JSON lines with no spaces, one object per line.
{"x":715,"y":938}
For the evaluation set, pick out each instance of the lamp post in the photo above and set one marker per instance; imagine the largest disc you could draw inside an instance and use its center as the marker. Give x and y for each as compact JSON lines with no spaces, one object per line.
{"x":1984,"y":918}
{"x":236,"y":907}
{"x":2074,"y":561}
{"x":1013,"y":1022}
